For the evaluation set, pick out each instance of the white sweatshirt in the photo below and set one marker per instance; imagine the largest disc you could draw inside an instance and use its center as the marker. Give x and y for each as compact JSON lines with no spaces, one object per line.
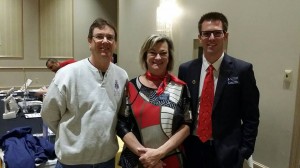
{"x":81,"y":108}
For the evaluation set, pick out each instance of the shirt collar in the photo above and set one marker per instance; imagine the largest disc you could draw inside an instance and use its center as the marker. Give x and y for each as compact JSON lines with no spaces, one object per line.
{"x":216,"y":64}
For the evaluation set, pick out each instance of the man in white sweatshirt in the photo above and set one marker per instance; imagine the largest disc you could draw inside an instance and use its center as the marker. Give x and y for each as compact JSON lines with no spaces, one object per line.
{"x":83,"y":101}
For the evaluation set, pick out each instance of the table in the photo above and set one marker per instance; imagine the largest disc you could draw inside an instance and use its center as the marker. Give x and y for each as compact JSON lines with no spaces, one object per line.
{"x":8,"y":124}
{"x":20,"y":121}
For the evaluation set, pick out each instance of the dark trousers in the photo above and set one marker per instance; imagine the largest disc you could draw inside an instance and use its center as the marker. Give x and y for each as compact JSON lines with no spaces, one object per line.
{"x":200,"y":155}
{"x":203,"y":155}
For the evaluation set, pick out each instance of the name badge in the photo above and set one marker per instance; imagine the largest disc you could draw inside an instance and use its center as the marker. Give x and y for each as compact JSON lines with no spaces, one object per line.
{"x":163,"y":96}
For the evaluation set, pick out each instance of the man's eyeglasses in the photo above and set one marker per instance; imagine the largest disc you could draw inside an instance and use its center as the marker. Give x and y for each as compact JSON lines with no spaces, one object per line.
{"x":216,"y":33}
{"x":100,"y":37}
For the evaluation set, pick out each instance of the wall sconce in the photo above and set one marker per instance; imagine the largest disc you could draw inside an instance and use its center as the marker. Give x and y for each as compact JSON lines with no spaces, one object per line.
{"x":166,"y":12}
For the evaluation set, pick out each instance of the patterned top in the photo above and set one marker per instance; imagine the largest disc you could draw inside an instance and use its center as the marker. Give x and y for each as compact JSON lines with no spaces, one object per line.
{"x":151,"y":118}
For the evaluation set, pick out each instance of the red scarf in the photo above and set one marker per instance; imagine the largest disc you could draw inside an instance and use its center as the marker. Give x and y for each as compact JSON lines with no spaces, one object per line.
{"x":164,"y":79}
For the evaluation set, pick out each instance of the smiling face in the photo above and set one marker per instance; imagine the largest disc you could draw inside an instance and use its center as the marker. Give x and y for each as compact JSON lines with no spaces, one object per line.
{"x":158,"y":58}
{"x":102,"y":44}
{"x":213,"y":38}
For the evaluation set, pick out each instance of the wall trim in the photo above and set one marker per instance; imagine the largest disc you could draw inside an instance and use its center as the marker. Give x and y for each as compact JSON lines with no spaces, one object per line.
{"x":23,"y":68}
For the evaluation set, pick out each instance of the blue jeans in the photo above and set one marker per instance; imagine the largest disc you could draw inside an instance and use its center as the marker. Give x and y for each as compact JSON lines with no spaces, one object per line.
{"x":108,"y":164}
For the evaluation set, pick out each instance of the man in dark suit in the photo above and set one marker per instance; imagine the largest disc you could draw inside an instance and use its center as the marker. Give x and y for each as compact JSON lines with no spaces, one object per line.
{"x":233,"y":118}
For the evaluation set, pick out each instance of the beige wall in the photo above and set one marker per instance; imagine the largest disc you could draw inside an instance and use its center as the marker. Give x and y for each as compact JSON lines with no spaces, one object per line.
{"x":16,"y":76}
{"x":264,"y":33}
{"x":13,"y":71}
{"x":85,"y":12}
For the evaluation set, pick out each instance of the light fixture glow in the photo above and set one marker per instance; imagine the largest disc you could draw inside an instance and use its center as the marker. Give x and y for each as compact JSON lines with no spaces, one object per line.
{"x":166,"y":12}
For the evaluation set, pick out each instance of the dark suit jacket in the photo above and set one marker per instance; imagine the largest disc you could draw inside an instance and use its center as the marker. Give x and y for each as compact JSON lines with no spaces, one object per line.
{"x":235,"y":115}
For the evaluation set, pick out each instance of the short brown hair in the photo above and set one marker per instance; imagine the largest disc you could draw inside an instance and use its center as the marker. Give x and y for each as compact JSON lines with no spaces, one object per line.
{"x":51,"y":60}
{"x":100,"y":23}
{"x":213,"y":16}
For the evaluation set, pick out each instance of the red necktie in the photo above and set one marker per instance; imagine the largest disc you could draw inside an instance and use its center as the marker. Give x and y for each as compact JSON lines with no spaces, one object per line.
{"x":206,"y":102}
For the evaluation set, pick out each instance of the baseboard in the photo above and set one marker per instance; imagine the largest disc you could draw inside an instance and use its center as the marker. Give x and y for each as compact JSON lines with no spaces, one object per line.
{"x":255,"y":165}
{"x":258,"y":165}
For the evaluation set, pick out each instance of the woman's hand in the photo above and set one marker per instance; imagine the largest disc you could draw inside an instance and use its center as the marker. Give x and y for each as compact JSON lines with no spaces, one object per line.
{"x":160,"y":164}
{"x":150,"y":158}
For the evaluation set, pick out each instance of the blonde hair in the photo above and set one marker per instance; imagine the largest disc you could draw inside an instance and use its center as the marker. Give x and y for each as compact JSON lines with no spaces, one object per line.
{"x":149,"y":44}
